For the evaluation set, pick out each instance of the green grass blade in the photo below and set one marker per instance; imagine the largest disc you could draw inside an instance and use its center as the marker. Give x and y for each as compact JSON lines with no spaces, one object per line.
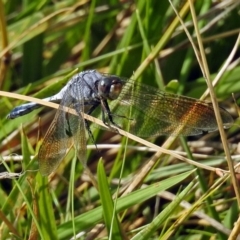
{"x":109,"y":215}
{"x":46,"y":215}
{"x":150,"y":229}
{"x":91,"y":218}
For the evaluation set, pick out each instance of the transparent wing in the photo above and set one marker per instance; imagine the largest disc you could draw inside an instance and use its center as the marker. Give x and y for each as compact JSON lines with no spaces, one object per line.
{"x":56,"y":143}
{"x":79,"y":136}
{"x":65,"y":130}
{"x":147,"y":112}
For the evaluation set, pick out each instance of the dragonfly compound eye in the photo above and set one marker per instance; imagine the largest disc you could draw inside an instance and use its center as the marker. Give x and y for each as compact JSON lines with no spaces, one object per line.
{"x":110,"y":88}
{"x":115,"y":89}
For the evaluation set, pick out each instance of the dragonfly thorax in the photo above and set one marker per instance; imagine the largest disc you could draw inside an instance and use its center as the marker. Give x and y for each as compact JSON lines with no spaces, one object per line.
{"x":110,"y":88}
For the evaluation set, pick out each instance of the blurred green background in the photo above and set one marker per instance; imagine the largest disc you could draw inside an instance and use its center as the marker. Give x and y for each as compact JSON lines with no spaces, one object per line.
{"x":43,"y":41}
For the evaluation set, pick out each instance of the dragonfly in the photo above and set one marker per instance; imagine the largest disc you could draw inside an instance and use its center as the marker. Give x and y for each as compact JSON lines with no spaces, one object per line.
{"x":123,"y":103}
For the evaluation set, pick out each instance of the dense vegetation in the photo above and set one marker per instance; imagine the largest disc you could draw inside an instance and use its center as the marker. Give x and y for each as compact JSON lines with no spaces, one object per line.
{"x":42,"y":44}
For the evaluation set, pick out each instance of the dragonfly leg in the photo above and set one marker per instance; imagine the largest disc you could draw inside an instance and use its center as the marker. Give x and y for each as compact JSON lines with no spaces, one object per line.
{"x":106,"y":109}
{"x":90,"y":134}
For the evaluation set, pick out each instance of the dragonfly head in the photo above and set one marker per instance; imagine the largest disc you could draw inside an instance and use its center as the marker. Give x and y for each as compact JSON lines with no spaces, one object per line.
{"x":110,"y":87}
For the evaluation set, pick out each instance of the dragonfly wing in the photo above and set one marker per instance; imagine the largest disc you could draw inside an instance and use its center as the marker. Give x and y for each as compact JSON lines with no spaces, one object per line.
{"x":78,"y":123}
{"x":146,"y":112}
{"x":59,"y":137}
{"x":66,"y":129}
{"x":56,"y":143}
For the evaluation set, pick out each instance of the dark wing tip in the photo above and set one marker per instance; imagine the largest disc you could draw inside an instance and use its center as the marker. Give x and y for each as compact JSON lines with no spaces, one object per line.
{"x":227,"y":118}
